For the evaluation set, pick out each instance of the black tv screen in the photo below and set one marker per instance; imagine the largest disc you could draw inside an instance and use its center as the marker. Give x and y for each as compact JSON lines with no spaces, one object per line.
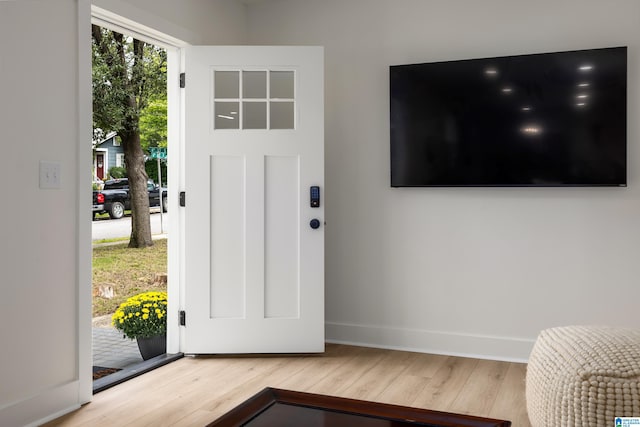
{"x":551,"y":119}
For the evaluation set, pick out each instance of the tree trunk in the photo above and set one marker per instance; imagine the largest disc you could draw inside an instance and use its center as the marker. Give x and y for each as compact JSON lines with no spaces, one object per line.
{"x":138,"y":193}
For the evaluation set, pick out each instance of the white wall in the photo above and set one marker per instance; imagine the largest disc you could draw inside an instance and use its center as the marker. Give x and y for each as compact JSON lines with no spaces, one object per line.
{"x":475,"y":271}
{"x":41,"y":278}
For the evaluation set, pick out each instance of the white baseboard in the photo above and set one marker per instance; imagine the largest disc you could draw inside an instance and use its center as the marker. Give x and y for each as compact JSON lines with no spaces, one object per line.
{"x":451,"y":344}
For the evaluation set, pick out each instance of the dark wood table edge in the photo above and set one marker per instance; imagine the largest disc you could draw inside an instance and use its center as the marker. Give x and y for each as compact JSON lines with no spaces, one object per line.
{"x":269,"y":396}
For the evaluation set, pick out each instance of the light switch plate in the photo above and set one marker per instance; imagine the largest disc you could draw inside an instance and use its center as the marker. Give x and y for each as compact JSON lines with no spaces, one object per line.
{"x":49,"y":174}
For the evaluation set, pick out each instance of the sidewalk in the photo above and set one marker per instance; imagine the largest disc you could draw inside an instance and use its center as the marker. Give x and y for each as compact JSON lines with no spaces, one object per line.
{"x":111,"y":350}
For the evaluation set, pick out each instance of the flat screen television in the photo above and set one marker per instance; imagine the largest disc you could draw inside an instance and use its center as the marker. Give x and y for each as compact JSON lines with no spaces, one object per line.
{"x":550,"y":119}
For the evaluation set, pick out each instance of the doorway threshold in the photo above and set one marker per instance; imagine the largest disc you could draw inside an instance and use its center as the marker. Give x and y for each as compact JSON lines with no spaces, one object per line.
{"x":133,"y":371}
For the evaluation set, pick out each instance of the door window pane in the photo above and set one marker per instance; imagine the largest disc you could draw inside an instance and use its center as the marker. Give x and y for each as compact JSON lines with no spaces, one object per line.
{"x":254,"y":84}
{"x":282,"y":115}
{"x":227,"y":84}
{"x":254,"y":115}
{"x":282,"y":84}
{"x":226,"y":115}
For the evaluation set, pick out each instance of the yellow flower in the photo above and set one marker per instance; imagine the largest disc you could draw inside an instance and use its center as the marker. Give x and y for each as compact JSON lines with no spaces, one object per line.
{"x":151,"y":306}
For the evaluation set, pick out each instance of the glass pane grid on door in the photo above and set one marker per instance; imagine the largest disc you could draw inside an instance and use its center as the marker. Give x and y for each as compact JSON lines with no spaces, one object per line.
{"x":254,"y":99}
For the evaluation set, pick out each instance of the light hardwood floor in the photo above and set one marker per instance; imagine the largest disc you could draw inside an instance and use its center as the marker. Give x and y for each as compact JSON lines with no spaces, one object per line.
{"x":196,"y":390}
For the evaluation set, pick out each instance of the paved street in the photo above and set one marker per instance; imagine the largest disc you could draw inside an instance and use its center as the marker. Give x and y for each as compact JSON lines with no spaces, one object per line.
{"x":114,"y":228}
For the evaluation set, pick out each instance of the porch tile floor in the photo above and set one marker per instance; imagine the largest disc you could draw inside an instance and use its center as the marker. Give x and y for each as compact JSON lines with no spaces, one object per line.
{"x":111,"y":350}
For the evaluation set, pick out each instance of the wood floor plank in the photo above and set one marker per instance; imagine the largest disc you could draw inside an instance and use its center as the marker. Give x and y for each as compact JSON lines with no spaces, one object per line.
{"x":509,"y":403}
{"x":314,"y":377}
{"x":478,"y":394}
{"x":377,"y":378}
{"x":342,"y":377}
{"x":242,"y":390}
{"x":406,"y":387}
{"x":155,"y":391}
{"x":196,"y":390}
{"x":198,"y":417}
{"x":444,"y":387}
{"x":223,"y":383}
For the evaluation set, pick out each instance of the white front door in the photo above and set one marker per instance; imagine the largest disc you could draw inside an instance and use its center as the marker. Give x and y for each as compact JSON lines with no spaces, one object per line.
{"x":254,"y":148}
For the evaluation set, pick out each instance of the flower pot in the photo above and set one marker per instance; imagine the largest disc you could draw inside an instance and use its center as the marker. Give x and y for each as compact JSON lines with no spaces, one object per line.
{"x":153,"y":346}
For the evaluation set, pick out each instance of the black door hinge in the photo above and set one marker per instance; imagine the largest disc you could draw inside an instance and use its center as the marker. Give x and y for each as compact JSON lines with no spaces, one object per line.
{"x":182,"y":198}
{"x":182,"y":79}
{"x":183,"y":318}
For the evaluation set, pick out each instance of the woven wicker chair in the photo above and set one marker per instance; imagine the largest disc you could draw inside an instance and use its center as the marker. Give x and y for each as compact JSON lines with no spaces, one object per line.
{"x":583,"y":376}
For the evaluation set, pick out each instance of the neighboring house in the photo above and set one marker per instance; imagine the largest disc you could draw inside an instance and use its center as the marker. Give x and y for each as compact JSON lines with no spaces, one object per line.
{"x":107,"y":154}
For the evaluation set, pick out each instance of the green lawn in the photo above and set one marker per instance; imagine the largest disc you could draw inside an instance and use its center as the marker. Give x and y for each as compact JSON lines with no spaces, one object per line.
{"x":128,"y":272}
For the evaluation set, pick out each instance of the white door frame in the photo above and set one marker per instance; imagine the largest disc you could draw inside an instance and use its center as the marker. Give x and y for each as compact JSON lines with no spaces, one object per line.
{"x":84,"y":350}
{"x":175,"y":261}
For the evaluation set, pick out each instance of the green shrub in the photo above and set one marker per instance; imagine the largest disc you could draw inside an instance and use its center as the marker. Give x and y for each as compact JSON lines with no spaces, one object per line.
{"x":151,"y":167}
{"x":117,"y":172}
